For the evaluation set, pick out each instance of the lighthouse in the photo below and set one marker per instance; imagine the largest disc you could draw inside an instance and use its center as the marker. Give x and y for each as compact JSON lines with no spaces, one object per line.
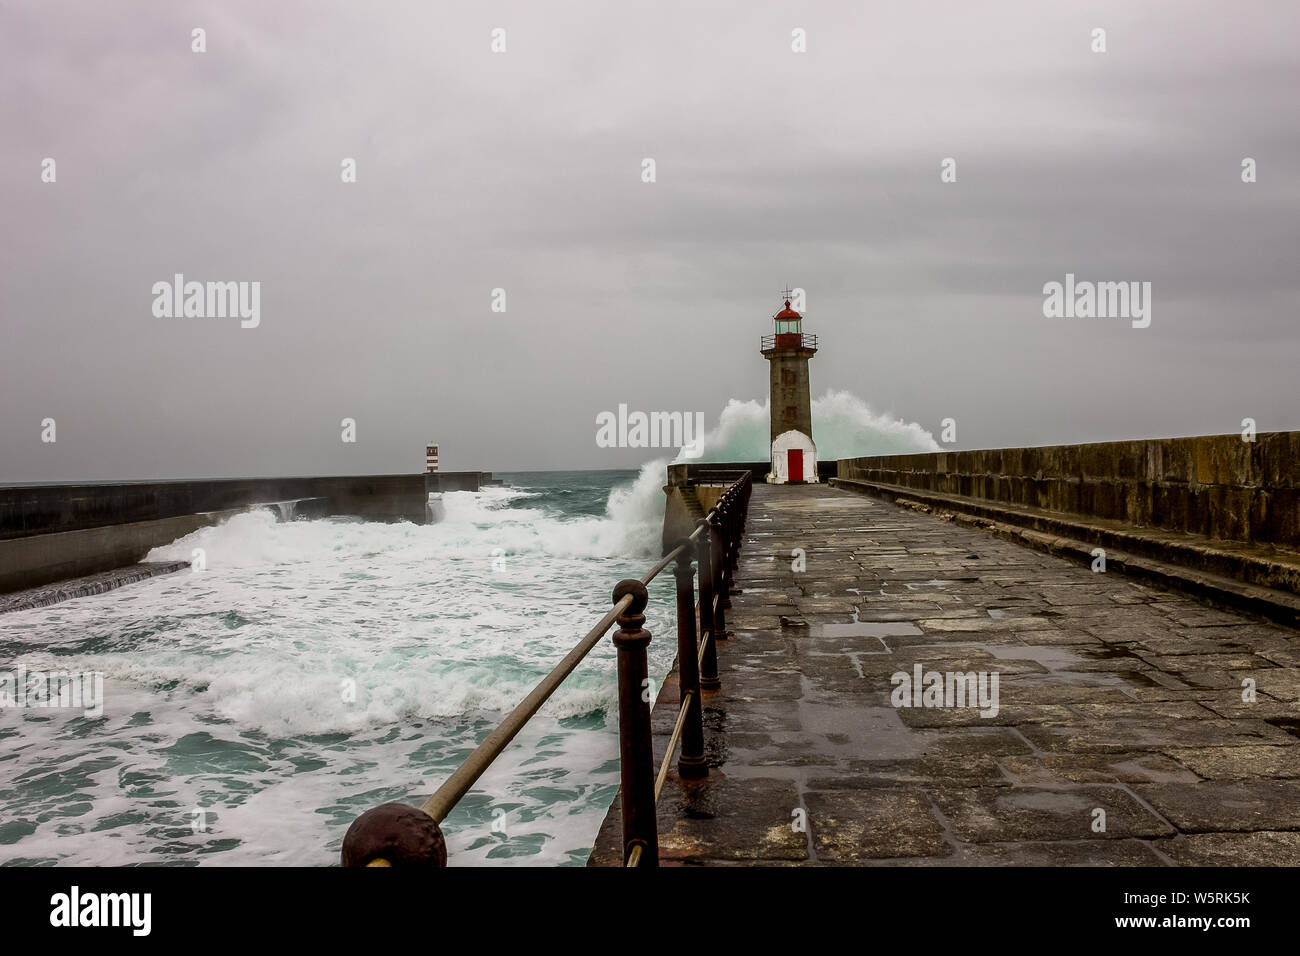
{"x":787,"y":350}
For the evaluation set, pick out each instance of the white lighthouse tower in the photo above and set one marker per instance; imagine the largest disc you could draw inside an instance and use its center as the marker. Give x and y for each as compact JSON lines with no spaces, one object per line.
{"x":787,"y":350}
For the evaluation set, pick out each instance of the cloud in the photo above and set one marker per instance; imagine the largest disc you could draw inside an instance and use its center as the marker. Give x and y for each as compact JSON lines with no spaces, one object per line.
{"x":522,"y":171}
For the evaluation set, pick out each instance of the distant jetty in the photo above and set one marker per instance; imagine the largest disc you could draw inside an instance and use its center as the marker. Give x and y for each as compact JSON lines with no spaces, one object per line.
{"x":53,"y":533}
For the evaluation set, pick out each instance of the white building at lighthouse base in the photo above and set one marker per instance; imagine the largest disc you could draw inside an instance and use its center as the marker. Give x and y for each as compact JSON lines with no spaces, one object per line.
{"x":794,"y":457}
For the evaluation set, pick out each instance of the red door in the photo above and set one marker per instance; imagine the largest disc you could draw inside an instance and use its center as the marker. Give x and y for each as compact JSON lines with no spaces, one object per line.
{"x":794,"y":464}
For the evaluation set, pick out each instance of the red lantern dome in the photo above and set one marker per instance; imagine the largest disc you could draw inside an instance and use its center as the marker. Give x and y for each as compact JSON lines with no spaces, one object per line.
{"x":787,"y":313}
{"x":789,"y":329}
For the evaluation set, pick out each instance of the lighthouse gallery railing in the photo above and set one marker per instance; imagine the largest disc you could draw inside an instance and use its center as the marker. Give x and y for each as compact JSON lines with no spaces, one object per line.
{"x":397,"y":834}
{"x":788,"y":340}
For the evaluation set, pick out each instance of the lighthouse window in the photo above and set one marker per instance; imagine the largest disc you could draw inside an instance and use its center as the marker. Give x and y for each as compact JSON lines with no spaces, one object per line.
{"x":791,"y":413}
{"x":788,"y":377}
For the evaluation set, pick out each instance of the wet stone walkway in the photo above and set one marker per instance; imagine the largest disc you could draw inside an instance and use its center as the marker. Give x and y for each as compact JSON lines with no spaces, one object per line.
{"x":1121,"y":736}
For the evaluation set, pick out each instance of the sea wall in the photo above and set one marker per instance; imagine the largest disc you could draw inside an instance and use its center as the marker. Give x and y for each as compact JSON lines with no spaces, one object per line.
{"x":1218,"y":486}
{"x":693,"y":488}
{"x":52,"y":532}
{"x":694,"y":471}
{"x":45,"y":558}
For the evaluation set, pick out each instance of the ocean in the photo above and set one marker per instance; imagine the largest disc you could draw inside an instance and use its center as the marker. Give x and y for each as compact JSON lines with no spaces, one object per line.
{"x":316,"y":669}
{"x":319,"y":668}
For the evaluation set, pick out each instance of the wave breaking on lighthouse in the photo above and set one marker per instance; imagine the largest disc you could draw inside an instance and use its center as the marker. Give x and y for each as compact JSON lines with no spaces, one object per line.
{"x":844,"y":426}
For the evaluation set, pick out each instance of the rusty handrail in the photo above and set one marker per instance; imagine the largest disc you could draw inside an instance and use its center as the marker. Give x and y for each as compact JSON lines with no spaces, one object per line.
{"x":672,"y":742}
{"x":397,"y":834}
{"x":717,"y":558}
{"x":459,"y":783}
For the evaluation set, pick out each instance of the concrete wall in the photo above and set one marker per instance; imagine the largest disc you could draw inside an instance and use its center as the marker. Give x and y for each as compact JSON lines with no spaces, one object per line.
{"x":43,"y":509}
{"x":1218,"y":485}
{"x":688,"y":498}
{"x":460,"y":480}
{"x":44,"y":558}
{"x":53,"y":532}
{"x":693,"y":489}
{"x":685,"y":472}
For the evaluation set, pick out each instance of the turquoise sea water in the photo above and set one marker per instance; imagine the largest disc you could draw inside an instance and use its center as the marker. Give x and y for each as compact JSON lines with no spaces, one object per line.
{"x":319,"y":668}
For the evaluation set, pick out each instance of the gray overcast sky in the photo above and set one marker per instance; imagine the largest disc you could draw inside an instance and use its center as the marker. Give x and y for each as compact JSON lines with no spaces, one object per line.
{"x":522,"y":170}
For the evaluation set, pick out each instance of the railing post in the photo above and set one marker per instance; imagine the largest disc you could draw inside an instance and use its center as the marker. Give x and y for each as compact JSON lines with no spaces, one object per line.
{"x":704,"y":558}
{"x":728,"y":517}
{"x":690,"y":763}
{"x":635,"y":746}
{"x":746,"y":488}
{"x":718,"y":561}
{"x":737,"y":531}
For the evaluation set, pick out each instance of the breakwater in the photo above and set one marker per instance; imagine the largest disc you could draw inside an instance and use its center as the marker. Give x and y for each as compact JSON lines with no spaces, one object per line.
{"x":54,"y":532}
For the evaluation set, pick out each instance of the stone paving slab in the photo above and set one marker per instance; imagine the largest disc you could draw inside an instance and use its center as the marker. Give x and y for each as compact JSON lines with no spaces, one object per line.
{"x":1180,"y":721}
{"x":855,"y":825}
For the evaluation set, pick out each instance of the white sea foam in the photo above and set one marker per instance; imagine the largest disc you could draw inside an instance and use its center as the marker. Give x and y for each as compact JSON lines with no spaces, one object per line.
{"x":224,"y":687}
{"x":844,"y":426}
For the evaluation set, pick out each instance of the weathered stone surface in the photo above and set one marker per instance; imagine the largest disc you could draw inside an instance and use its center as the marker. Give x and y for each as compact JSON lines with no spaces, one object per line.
{"x":1262,"y":708}
{"x":1009,"y":715}
{"x":725,"y":818}
{"x":1170,"y":710}
{"x":1184,"y":662}
{"x":1261,"y":848}
{"x":66,"y":590}
{"x":1112,"y":695}
{"x":1227,"y":805}
{"x":1059,"y":770}
{"x":1127,"y":852}
{"x":962,"y":769}
{"x":718,"y":818}
{"x":1239,"y":763}
{"x":1003,"y":815}
{"x":1012,"y":624}
{"x":1155,"y":733}
{"x":853,"y":825}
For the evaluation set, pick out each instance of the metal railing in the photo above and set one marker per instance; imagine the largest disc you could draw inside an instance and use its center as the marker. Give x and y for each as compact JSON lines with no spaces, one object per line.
{"x":788,"y":340}
{"x":397,"y":834}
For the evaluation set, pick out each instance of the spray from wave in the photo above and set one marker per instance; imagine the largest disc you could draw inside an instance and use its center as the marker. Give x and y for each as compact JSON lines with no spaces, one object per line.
{"x":475,"y":526}
{"x":844,"y":426}
{"x":417,"y":603}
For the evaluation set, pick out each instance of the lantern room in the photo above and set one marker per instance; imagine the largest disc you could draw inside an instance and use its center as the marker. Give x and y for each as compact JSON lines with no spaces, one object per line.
{"x":789,"y":327}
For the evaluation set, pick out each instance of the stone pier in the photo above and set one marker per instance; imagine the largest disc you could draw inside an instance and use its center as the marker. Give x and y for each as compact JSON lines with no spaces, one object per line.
{"x":1134,"y":725}
{"x":54,"y":533}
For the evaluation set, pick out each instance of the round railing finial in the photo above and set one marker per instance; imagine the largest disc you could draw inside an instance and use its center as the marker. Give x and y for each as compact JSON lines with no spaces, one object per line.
{"x":398,"y":835}
{"x":640,"y":596}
